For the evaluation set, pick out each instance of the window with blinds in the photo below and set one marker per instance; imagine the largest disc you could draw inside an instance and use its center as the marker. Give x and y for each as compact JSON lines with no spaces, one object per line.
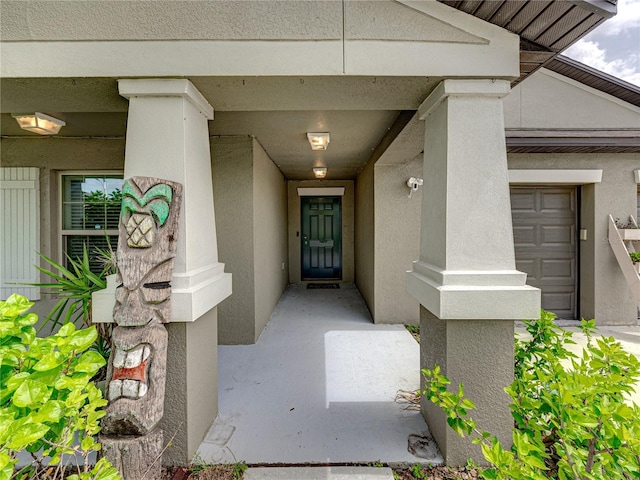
{"x":90,"y":214}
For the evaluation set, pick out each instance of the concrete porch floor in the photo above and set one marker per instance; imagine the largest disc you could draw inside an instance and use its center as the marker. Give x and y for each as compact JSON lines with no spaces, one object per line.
{"x":319,"y":386}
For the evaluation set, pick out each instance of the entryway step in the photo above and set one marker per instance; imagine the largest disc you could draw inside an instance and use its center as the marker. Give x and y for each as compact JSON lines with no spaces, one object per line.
{"x":318,"y":473}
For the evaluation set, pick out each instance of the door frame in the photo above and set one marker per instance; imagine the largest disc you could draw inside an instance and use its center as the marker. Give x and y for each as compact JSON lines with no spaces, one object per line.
{"x":299,"y":188}
{"x":340,"y":243}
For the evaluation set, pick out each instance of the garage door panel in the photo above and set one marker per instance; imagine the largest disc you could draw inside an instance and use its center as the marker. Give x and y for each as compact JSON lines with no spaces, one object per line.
{"x":558,"y":234}
{"x":525,"y":235}
{"x":558,"y":271}
{"x":545,"y":237}
{"x":561,"y":303}
{"x":523,"y":201}
{"x":557,"y":202}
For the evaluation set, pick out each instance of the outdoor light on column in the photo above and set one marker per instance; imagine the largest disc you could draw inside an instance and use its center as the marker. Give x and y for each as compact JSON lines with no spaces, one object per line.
{"x":318,"y":141}
{"x":320,"y":172}
{"x":39,"y":123}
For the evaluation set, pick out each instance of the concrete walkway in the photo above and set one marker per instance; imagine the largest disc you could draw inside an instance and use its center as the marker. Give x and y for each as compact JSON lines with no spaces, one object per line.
{"x":319,"y":386}
{"x":318,"y":473}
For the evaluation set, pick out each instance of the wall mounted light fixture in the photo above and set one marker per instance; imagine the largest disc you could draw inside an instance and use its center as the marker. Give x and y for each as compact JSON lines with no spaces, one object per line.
{"x":320,"y":172}
{"x":318,"y":141}
{"x":39,"y":123}
{"x":413,"y":183}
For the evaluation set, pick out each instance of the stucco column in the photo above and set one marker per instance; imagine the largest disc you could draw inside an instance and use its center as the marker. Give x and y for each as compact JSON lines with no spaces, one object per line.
{"x":466,"y":280}
{"x":168,"y":137}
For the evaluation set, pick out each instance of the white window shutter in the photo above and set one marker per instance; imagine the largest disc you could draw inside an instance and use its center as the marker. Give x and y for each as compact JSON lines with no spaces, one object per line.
{"x":20,"y":231}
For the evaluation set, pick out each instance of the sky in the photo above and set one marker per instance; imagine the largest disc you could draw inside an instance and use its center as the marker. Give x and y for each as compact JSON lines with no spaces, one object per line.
{"x":614,"y":46}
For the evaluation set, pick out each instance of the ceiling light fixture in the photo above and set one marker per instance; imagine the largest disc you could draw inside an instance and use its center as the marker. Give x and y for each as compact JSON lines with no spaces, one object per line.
{"x":318,"y":141}
{"x":39,"y":123}
{"x":320,"y":172}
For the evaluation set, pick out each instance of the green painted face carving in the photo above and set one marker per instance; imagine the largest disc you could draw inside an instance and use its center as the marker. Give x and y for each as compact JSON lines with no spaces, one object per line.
{"x":141,"y":213}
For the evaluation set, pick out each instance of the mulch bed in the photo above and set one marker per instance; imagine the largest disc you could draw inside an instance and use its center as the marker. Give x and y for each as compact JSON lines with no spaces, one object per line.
{"x":439,"y":473}
{"x":225,"y":472}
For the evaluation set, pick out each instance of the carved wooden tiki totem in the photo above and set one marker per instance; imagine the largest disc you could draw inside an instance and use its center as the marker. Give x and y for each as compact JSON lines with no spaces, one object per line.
{"x":136,"y":372}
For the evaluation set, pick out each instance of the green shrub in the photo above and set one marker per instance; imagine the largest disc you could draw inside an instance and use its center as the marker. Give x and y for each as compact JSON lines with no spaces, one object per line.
{"x":48,"y":404}
{"x":571,"y":421}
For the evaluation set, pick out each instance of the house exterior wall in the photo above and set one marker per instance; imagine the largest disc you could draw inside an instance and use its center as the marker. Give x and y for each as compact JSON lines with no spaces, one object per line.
{"x":604,"y":294}
{"x":52,"y":156}
{"x":190,"y":344}
{"x":348,"y":218}
{"x":232,"y":171}
{"x":397,"y":240}
{"x":365,"y":236}
{"x":545,"y":101}
{"x":270,"y":251}
{"x":129,"y":20}
{"x":64,"y":39}
{"x":548,"y":100}
{"x":251,"y":222}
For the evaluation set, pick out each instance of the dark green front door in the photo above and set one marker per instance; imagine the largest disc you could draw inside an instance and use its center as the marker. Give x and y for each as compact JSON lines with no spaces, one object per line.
{"x":321,"y":238}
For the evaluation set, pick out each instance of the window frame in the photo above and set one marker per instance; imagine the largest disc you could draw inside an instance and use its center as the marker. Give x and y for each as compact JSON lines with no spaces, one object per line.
{"x":62,"y":232}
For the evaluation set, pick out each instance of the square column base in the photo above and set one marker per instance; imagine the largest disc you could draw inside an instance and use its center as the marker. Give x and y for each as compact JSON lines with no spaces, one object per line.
{"x":478,"y":354}
{"x":191,"y":393}
{"x":471,"y":294}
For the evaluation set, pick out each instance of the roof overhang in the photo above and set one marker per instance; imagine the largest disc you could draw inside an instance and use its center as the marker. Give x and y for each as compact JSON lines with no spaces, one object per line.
{"x":546,"y":28}
{"x":573,"y":141}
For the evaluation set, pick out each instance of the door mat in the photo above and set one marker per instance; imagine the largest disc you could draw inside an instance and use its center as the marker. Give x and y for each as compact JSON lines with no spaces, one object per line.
{"x":322,"y":285}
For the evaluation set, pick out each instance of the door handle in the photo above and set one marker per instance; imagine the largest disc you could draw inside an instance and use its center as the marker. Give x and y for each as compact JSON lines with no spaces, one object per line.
{"x":305,"y":239}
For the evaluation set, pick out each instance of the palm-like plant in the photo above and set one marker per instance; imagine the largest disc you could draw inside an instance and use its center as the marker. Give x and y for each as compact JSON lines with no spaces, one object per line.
{"x":74,"y":286}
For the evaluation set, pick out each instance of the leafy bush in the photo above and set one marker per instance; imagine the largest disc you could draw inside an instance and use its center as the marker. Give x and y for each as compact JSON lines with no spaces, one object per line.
{"x":47,"y":399}
{"x":571,"y":422}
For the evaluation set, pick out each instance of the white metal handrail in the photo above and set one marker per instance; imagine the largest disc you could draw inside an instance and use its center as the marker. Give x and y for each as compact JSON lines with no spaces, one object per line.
{"x":621,"y":251}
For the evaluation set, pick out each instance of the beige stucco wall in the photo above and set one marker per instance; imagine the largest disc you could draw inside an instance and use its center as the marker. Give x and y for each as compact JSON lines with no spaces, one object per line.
{"x":243,"y":314}
{"x":169,"y":20}
{"x":52,"y":156}
{"x":604,"y":294}
{"x":548,"y":100}
{"x":88,"y":38}
{"x":365,"y":236}
{"x":270,"y":252}
{"x":232,"y":170}
{"x":397,"y":241}
{"x":251,"y":222}
{"x":190,"y":399}
{"x":348,"y":215}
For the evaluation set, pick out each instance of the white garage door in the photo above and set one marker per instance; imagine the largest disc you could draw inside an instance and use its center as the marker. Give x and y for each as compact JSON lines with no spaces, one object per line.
{"x":545,"y":236}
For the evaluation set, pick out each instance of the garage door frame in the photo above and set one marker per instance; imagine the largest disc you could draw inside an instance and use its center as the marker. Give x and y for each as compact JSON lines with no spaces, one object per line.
{"x":543,"y":223}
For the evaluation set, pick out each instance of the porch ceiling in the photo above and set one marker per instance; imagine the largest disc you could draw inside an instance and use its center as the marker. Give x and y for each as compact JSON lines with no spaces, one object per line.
{"x":277,"y":111}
